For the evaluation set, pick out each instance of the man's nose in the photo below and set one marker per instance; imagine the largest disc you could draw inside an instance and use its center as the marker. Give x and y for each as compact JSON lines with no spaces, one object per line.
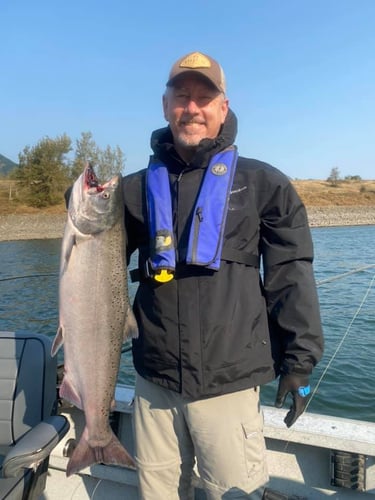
{"x":191,"y":106}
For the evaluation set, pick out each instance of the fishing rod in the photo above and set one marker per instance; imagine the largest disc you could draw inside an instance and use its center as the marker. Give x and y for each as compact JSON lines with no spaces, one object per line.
{"x":318,"y":283}
{"x":27,"y":276}
{"x":344,"y":275}
{"x":48,"y":275}
{"x":325,"y":371}
{"x":343,"y":338}
{"x":126,"y":349}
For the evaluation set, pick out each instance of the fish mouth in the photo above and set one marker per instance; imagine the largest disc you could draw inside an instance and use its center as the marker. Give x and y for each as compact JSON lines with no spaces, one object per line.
{"x":91,"y":183}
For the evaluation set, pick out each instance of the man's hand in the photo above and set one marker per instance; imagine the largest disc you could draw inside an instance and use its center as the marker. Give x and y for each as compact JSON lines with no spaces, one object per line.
{"x":299,"y":388}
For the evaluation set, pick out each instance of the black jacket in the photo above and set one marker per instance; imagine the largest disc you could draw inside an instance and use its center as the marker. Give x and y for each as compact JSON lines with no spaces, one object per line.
{"x":206,"y":332}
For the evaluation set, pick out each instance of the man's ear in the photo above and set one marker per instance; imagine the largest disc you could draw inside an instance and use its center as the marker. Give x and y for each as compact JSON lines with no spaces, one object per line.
{"x":224,"y":109}
{"x":165,"y":107}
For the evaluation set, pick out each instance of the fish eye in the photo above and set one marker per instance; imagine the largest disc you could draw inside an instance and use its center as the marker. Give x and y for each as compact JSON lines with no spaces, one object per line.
{"x":106,"y":195}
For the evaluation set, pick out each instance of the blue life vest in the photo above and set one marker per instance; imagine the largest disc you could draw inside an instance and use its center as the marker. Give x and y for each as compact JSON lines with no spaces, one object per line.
{"x":210,"y":211}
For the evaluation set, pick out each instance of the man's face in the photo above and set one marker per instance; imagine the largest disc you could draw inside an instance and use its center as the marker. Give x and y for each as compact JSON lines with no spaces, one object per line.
{"x":195,"y":110}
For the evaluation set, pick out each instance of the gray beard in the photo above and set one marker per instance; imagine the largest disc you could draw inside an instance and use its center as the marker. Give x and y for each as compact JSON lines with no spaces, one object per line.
{"x":186,"y":143}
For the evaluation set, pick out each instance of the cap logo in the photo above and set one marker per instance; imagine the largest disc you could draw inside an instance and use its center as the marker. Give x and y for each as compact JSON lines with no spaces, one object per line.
{"x":195,"y":60}
{"x":219,"y":169}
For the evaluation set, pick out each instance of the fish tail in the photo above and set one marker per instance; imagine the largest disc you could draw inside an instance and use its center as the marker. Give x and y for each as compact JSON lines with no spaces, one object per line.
{"x":85,"y":455}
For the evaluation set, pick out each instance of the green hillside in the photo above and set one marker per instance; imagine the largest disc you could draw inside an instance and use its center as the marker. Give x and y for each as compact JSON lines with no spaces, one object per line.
{"x":6,"y":165}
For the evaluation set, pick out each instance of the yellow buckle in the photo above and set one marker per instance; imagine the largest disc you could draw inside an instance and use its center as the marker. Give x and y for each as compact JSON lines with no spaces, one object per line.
{"x":163,"y":276}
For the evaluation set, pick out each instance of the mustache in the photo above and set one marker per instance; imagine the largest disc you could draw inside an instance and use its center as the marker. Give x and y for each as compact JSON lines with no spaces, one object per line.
{"x":191,"y":121}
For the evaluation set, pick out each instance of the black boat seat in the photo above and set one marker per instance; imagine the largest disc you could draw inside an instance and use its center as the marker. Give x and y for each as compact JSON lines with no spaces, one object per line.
{"x":29,"y":426}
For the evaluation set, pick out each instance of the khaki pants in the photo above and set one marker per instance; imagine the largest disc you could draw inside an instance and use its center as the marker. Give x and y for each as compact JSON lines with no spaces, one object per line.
{"x":223,"y":434}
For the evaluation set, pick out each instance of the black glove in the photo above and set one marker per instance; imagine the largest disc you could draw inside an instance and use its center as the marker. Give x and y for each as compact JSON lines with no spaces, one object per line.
{"x":298,"y":386}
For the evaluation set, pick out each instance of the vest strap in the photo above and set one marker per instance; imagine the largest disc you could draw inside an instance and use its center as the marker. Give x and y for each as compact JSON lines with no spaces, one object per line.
{"x":159,"y":211}
{"x":210,"y":212}
{"x":228,"y":254}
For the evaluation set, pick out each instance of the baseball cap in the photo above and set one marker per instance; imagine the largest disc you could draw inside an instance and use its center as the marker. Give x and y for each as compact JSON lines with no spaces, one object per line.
{"x":199,"y":63}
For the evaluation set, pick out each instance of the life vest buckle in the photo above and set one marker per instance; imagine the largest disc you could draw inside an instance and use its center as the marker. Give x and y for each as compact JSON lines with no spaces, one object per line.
{"x":163,"y":275}
{"x":159,"y":275}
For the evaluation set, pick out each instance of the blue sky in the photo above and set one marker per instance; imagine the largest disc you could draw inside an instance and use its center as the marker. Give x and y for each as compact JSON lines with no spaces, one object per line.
{"x":300,"y":75}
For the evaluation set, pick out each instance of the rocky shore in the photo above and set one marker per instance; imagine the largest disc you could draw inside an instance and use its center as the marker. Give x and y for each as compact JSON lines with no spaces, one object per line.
{"x":44,"y":226}
{"x":31,"y":226}
{"x":341,"y":216}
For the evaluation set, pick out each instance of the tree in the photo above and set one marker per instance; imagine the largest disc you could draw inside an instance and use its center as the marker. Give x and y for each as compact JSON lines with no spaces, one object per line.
{"x":86,"y":151}
{"x":111,"y":162}
{"x":334,"y":176}
{"x":107,"y":162}
{"x":43,"y":172}
{"x":355,"y":178}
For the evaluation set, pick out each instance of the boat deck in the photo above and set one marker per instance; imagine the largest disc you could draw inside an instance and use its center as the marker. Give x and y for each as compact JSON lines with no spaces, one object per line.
{"x":301,"y":459}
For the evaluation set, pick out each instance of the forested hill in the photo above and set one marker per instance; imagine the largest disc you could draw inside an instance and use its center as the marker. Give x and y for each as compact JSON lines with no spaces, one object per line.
{"x":6,"y":165}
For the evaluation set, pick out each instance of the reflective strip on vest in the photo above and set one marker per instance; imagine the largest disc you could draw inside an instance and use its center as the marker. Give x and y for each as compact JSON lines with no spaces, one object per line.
{"x":210,"y":211}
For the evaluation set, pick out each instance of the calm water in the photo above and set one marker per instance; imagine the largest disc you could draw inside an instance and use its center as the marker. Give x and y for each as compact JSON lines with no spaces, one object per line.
{"x":346,"y":375}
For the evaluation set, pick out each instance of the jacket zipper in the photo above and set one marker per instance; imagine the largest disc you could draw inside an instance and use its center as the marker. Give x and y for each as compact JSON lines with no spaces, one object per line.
{"x":175,"y":210}
{"x":197,"y":223}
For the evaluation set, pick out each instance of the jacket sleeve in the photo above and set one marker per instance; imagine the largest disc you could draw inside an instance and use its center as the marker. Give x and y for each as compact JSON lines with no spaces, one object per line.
{"x":289,"y":283}
{"x":134,"y":212}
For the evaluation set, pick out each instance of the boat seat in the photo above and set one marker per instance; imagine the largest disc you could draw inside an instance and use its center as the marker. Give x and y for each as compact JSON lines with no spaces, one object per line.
{"x":29,"y":425}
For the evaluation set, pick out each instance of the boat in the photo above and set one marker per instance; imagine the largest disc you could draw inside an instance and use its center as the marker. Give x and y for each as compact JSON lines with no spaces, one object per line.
{"x":320,"y":457}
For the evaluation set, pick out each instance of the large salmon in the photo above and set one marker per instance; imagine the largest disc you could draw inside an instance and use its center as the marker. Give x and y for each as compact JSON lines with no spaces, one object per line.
{"x":95,"y":314}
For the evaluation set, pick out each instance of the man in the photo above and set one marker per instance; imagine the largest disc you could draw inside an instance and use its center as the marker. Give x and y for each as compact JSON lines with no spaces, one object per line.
{"x":211,"y":330}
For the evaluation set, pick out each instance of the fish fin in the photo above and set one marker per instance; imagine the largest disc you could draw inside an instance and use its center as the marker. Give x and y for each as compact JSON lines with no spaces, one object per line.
{"x":84,"y":455}
{"x":57,"y":341}
{"x":67,"y":252}
{"x":131,"y":327}
{"x":68,"y":392}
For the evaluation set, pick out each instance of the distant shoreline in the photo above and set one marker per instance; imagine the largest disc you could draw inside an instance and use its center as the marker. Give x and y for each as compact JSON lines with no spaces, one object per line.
{"x":31,"y":226}
{"x":341,"y":216}
{"x":49,"y":226}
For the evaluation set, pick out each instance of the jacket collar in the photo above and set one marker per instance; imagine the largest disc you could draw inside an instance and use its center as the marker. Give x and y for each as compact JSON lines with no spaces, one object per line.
{"x":164,"y":150}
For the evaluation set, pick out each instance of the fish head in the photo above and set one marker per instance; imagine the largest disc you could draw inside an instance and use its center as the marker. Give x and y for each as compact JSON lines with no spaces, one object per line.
{"x":95,"y":207}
